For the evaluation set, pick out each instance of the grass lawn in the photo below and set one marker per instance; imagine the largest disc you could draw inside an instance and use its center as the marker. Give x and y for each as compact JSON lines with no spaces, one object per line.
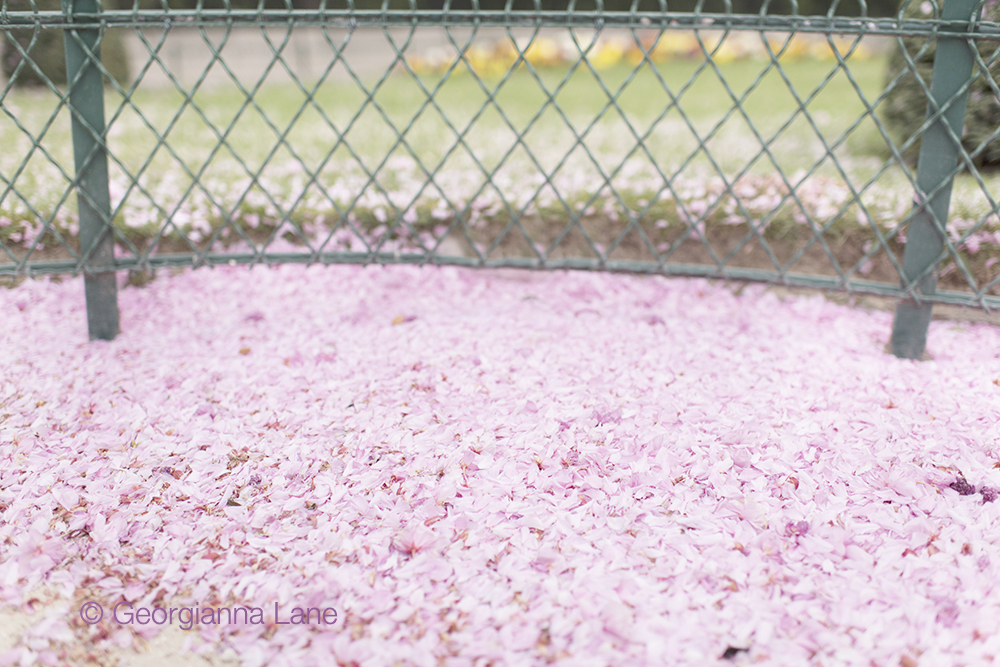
{"x":563,"y":164}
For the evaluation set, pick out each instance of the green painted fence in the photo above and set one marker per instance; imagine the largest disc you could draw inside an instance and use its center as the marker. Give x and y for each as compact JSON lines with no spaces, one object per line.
{"x":742,"y":147}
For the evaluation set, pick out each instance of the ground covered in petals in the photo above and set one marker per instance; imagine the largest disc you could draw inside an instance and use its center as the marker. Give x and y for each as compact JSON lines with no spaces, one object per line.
{"x":493,"y":468}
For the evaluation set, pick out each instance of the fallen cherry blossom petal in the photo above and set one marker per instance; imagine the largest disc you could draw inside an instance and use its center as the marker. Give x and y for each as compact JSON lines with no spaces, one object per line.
{"x":522,"y":471}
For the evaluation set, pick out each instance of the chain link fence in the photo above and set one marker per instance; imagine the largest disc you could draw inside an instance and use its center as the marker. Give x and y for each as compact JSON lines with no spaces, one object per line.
{"x":766,"y":147}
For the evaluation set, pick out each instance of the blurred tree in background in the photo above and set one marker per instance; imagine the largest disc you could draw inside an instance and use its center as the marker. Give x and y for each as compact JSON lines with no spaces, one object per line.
{"x":47,"y":50}
{"x":905,"y":108}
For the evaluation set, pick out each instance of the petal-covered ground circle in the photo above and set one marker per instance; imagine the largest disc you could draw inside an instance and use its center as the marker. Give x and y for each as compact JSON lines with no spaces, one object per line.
{"x":497,"y":468}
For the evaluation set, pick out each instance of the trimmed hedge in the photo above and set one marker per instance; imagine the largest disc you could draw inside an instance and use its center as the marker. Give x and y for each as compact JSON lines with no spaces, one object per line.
{"x":49,"y":51}
{"x":905,"y":108}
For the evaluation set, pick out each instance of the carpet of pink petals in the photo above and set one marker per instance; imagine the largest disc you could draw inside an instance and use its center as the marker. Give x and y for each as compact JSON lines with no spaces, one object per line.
{"x":492,"y":468}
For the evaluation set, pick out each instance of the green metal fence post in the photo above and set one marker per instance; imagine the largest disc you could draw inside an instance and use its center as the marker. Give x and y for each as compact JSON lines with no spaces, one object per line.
{"x":86,"y":102}
{"x":938,"y":158}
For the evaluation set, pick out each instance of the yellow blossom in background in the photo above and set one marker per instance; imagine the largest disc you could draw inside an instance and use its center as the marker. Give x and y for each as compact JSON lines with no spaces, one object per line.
{"x":638,"y":50}
{"x":432,"y":61}
{"x":793,"y":48}
{"x":721,"y":51}
{"x":420,"y":66}
{"x":494,"y":60}
{"x":485,"y":63}
{"x":606,"y":53}
{"x":506,"y":52}
{"x":821,"y":51}
{"x":543,"y":52}
{"x":675,"y":45}
{"x":746,"y":45}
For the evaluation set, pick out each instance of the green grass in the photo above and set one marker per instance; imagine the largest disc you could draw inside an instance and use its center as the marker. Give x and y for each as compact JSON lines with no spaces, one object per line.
{"x":515,"y":134}
{"x":704,"y":101}
{"x":769,"y":103}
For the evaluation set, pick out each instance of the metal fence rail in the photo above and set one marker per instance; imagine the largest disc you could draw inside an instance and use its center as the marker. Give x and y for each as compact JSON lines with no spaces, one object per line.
{"x":643,"y":141}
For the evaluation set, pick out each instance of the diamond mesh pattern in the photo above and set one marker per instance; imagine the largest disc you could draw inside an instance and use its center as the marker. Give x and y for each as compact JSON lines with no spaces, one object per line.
{"x":314,"y":136}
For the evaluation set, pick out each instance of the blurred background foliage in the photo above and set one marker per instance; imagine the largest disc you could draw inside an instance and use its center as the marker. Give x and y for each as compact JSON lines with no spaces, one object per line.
{"x":46,"y":50}
{"x":905,"y":107}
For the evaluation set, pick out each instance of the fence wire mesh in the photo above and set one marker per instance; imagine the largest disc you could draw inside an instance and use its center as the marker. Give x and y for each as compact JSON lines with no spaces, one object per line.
{"x":753,"y":147}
